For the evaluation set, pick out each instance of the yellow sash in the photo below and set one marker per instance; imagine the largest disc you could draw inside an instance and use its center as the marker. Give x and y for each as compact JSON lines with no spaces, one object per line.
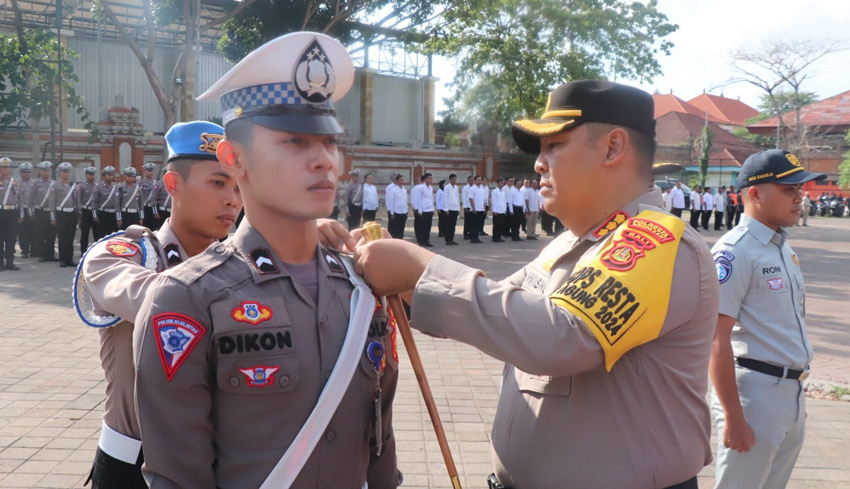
{"x":622,"y":294}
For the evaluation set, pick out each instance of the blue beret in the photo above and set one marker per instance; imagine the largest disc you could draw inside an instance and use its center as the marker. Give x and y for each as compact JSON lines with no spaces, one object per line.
{"x":196,"y":140}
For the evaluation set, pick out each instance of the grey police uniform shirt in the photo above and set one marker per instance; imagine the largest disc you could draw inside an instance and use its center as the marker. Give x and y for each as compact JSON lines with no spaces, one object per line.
{"x":131,"y":198}
{"x":117,"y":283}
{"x":24,"y":187}
{"x":563,"y":421}
{"x":761,"y":285}
{"x":146,"y":187}
{"x":58,"y":200}
{"x":86,"y":195}
{"x":9,"y":193}
{"x":220,"y":400}
{"x":105,"y":199}
{"x":40,"y":194}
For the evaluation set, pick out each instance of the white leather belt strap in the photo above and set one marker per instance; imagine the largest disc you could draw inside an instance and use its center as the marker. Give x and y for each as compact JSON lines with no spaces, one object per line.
{"x":65,"y":209}
{"x":107,"y":210}
{"x":121,"y":447}
{"x":360,"y":317}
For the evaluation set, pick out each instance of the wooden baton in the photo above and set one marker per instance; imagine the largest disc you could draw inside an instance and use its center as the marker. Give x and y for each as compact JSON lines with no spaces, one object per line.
{"x":372,"y":231}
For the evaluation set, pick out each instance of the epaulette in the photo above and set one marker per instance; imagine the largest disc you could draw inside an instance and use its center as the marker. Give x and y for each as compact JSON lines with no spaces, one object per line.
{"x":194,"y":268}
{"x":734,"y":235}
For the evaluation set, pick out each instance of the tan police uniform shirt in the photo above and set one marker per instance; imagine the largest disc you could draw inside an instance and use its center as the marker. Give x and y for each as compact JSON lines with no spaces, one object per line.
{"x":563,"y":420}
{"x":231,"y":356}
{"x":58,"y":201}
{"x":130,"y":198}
{"x":40,"y":194}
{"x":86,"y":195}
{"x":105,"y":199}
{"x":118,"y":282}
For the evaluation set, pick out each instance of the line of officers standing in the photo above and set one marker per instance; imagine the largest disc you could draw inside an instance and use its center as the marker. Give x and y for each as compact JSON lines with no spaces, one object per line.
{"x":35,"y":212}
{"x":514,"y":203}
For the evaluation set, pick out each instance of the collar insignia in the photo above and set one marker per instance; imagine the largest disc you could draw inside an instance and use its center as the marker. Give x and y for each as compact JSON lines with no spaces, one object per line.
{"x":262,"y":260}
{"x":611,"y":224}
{"x":172,"y":254}
{"x":333,"y":262}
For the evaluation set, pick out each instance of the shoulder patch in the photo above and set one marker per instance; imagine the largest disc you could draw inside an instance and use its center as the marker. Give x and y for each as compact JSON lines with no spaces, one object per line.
{"x":622,"y":293}
{"x":194,"y":268}
{"x":177,"y":335}
{"x":723,"y":263}
{"x":123,"y":249}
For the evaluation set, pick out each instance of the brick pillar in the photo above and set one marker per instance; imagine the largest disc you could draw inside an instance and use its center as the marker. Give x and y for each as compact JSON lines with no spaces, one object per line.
{"x":367,"y":84}
{"x":428,"y":109}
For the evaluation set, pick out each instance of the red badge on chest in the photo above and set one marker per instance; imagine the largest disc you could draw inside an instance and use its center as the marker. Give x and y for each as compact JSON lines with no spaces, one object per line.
{"x":259,"y":376}
{"x":251,"y":312}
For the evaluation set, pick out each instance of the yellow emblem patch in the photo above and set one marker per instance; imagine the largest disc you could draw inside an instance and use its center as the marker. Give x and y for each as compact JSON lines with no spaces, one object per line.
{"x":793,"y":159}
{"x":210,"y":142}
{"x":623,"y":292}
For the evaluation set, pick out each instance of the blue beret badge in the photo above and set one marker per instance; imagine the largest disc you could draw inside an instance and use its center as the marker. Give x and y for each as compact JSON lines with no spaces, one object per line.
{"x":210,"y":142}
{"x":723,"y":263}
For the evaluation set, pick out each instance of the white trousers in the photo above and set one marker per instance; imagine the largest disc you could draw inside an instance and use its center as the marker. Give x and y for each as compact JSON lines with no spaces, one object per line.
{"x":776,"y":411}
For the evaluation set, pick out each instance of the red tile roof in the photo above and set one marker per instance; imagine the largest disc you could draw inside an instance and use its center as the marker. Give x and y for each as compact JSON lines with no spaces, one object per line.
{"x":677,"y":129}
{"x":832,"y":114}
{"x":729,"y":111}
{"x":666,"y":103}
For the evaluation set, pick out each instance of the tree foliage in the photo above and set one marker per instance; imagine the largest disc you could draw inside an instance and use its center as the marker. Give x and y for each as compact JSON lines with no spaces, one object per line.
{"x":784,"y":101}
{"x":31,"y":77}
{"x":346,"y":20}
{"x":844,"y":168}
{"x":513,"y":52}
{"x":704,"y":146}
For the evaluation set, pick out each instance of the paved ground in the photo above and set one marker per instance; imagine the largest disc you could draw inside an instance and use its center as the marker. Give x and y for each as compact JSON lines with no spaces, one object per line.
{"x":51,"y":388}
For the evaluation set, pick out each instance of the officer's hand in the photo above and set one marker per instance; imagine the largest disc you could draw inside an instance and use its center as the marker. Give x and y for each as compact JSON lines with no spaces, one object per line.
{"x":119,"y":223}
{"x":332,"y":234}
{"x":140,"y":222}
{"x":391,"y":266}
{"x":53,"y":222}
{"x":738,"y":435}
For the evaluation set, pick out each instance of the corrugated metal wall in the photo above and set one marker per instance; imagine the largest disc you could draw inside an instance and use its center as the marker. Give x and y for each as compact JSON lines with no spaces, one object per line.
{"x":397,"y":110}
{"x":108,"y":69}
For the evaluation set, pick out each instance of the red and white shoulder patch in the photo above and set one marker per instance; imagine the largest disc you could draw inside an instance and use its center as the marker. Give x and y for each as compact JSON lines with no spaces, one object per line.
{"x":177,"y":336}
{"x":124,"y":249}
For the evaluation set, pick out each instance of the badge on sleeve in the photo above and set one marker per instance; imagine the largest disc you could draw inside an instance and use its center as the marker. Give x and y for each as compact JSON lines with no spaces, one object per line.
{"x":178,"y":335}
{"x":259,"y":376}
{"x":723,"y":263}
{"x":124,"y":249}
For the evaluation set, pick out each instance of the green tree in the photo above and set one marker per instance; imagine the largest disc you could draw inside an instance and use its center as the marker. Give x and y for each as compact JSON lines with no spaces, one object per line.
{"x":704,"y":145}
{"x":513,"y":52}
{"x":32,"y":79}
{"x":844,"y":168}
{"x":783,"y":102}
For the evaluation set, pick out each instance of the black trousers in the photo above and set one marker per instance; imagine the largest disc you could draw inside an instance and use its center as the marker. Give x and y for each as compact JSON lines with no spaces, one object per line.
{"x":106,"y":224}
{"x":8,"y":233}
{"x":467,"y":216}
{"x":355,"y":213}
{"x":718,"y":220}
{"x":163,"y":216}
{"x":730,"y":217}
{"x":129,"y":218}
{"x":396,"y":225}
{"x":559,"y":228}
{"x":441,"y":224}
{"x":482,"y":218}
{"x":499,"y":224}
{"x":706,"y":216}
{"x":676,"y":212}
{"x":26,"y":234}
{"x":66,"y":228}
{"x":477,"y":228}
{"x":695,"y":218}
{"x":86,"y":227}
{"x":45,"y":235}
{"x":151,"y":220}
{"x":451,"y":224}
{"x":110,"y":473}
{"x":369,"y":215}
{"x":422,"y":225}
{"x":516,"y":221}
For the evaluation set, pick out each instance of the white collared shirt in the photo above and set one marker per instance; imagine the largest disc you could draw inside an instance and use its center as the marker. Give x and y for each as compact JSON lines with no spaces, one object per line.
{"x":422,"y":198}
{"x":499,"y":200}
{"x":451,"y":197}
{"x":397,"y":199}
{"x":370,"y":197}
{"x":678,"y":197}
{"x":441,"y":200}
{"x":533,"y":198}
{"x":517,"y":199}
{"x":465,"y":193}
{"x":480,"y":194}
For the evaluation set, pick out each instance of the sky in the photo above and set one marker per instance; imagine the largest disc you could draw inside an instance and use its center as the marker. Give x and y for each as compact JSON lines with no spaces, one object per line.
{"x":710,"y":29}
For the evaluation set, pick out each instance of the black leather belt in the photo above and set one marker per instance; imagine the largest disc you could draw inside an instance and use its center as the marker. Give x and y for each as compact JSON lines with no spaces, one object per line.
{"x":774,"y":370}
{"x":493,"y":483}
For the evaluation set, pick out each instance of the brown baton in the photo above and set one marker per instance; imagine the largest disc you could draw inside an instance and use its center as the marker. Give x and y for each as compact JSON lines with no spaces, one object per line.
{"x":372,"y":231}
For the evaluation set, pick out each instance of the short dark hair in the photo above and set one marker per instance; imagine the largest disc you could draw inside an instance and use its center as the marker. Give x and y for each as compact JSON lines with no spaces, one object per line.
{"x":442,"y":184}
{"x":498,"y":180}
{"x":240,"y":131}
{"x":397,"y":177}
{"x":452,"y":175}
{"x":183,"y":166}
{"x":643,"y":143}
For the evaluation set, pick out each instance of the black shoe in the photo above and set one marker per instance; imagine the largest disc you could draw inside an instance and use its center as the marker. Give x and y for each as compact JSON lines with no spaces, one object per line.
{"x":497,"y":240}
{"x":549,"y":233}
{"x":466,"y":237}
{"x":62,"y":264}
{"x":451,"y":243}
{"x":483,"y":234}
{"x":428,"y":245}
{"x":43,"y":259}
{"x":12,"y":267}
{"x":476,"y":241}
{"x":516,"y":239}
{"x":531,"y":238}
{"x":71,"y":263}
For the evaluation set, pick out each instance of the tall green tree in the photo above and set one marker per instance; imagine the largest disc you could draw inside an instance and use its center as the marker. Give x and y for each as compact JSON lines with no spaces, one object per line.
{"x":704,"y":145}
{"x":513,"y":52}
{"x":33,"y":81}
{"x":844,"y":168}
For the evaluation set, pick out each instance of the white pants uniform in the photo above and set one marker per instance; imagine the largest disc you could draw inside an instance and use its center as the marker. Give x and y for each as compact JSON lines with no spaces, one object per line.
{"x":776,"y":411}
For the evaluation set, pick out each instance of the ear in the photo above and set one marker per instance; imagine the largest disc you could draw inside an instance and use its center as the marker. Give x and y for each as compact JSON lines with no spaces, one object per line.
{"x":228,"y":156}
{"x":754,"y":192}
{"x":616,"y":143}
{"x":171,"y":180}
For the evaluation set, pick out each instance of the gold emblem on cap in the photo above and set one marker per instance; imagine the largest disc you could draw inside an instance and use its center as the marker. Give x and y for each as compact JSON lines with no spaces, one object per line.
{"x":793,"y":159}
{"x":237,"y":111}
{"x":210,"y":142}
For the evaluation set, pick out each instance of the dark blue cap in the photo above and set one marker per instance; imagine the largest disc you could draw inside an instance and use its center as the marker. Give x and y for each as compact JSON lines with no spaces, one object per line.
{"x":774,"y":166}
{"x":196,"y":140}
